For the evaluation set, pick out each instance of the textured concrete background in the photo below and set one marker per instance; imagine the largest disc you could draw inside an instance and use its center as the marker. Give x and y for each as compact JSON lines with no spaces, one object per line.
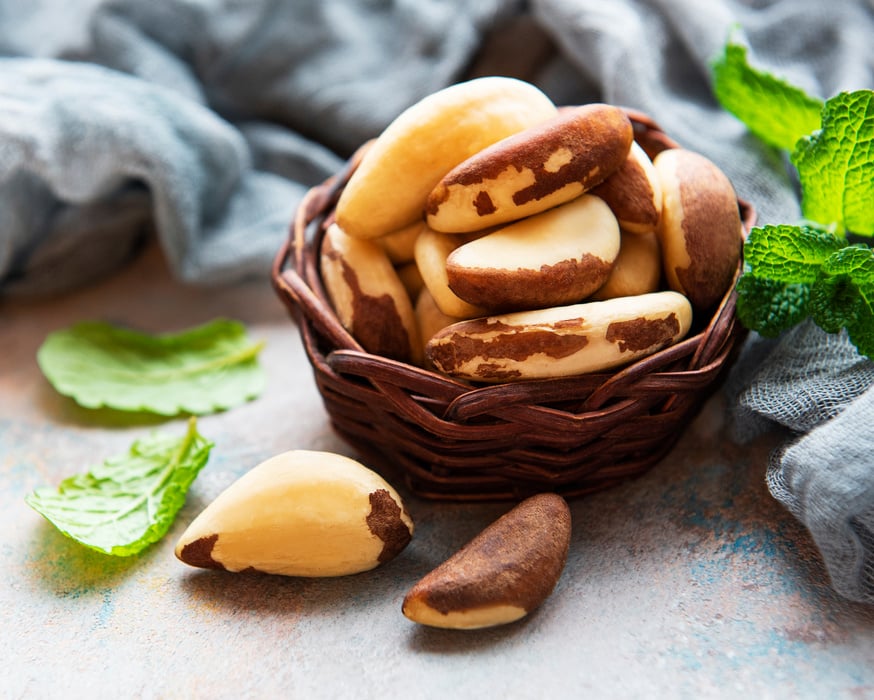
{"x":688,"y":582}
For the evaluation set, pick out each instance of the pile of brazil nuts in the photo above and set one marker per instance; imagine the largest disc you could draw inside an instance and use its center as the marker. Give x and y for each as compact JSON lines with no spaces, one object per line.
{"x":492,"y":236}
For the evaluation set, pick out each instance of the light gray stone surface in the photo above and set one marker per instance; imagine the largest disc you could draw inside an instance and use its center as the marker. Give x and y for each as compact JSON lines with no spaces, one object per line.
{"x":691,"y":581}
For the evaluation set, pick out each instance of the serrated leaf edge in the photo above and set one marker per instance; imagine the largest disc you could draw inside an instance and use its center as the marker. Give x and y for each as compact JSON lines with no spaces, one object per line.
{"x":154,"y":531}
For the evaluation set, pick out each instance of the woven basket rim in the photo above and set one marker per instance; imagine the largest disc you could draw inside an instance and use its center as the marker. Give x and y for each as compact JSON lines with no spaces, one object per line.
{"x":450,"y":409}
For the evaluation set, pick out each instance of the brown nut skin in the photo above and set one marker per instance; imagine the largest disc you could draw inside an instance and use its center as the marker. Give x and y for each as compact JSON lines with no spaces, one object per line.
{"x":369,"y":297}
{"x":634,"y":193}
{"x":556,"y":257}
{"x":700,"y":233}
{"x":527,"y":173}
{"x":502,"y":574}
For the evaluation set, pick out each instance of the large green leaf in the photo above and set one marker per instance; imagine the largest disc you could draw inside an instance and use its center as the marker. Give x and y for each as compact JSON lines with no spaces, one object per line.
{"x":770,"y":307}
{"x":836,"y":165}
{"x":209,"y":368}
{"x":843,"y":296}
{"x":130,"y":501}
{"x":777,"y":112}
{"x":789,"y":254}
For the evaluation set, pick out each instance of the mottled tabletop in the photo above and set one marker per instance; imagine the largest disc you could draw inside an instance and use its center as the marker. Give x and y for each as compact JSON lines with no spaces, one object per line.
{"x":690,"y":581}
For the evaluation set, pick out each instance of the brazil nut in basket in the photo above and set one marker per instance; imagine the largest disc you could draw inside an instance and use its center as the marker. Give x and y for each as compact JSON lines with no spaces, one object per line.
{"x":455,"y":440}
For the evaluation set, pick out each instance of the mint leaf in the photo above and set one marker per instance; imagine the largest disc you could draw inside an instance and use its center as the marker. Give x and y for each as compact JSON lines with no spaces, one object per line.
{"x":775,"y":111}
{"x":834,"y":302}
{"x":791,"y":254}
{"x":843,"y":296}
{"x":130,"y":501}
{"x":836,"y":165}
{"x":792,"y":272}
{"x":861,"y":329}
{"x":209,"y":368}
{"x":770,"y":307}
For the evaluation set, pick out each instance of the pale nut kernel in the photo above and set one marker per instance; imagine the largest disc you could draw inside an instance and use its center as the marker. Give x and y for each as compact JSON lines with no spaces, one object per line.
{"x":502,"y":574}
{"x":432,"y":250}
{"x":560,"y":341}
{"x":400,"y":245}
{"x":700,"y":233}
{"x":636,"y":270}
{"x":527,"y":173}
{"x":431,"y":319}
{"x":411,"y":278}
{"x":556,"y":257}
{"x":388,"y":189}
{"x":300,"y":513}
{"x":634,"y":193}
{"x":368,"y":296}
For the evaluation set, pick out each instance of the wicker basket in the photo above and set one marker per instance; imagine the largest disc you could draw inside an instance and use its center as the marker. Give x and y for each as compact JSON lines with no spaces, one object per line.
{"x":452,"y":440}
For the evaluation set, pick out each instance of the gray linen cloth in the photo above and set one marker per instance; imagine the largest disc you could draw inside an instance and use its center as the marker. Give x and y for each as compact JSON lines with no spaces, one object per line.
{"x":203,"y":122}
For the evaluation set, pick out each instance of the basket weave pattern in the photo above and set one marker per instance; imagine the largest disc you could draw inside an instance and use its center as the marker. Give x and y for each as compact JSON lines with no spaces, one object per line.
{"x":451,"y":440}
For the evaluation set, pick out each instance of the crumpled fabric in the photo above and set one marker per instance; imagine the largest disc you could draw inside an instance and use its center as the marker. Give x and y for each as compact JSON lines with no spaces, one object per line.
{"x":817,"y":388}
{"x":203,"y":123}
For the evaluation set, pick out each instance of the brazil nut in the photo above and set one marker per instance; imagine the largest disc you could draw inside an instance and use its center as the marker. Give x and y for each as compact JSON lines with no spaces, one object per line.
{"x":634,"y":193}
{"x":432,"y":250}
{"x":300,"y":513}
{"x":700,"y":232}
{"x":429,"y":316}
{"x":502,"y":574}
{"x":388,"y":189}
{"x":368,"y":296}
{"x":556,"y":257}
{"x":401,"y":244}
{"x":560,"y":341}
{"x":637,"y":269}
{"x":538,"y":168}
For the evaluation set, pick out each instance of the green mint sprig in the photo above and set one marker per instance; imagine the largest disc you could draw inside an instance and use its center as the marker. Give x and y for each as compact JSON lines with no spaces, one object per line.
{"x":809,"y":269}
{"x":122,"y":506}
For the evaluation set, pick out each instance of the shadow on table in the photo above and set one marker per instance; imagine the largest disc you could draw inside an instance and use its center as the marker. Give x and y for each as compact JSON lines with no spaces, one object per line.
{"x":63,"y":410}
{"x":379,"y":591}
{"x":255,"y":592}
{"x":63,"y":567}
{"x":433,"y":640}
